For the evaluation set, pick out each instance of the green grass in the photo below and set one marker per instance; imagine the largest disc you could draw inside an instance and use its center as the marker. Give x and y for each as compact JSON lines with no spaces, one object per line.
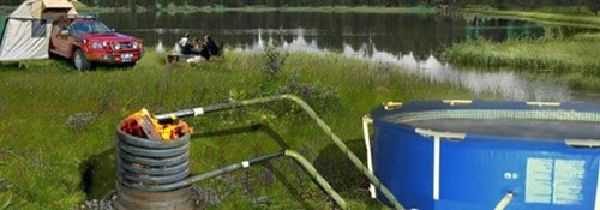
{"x":323,"y":9}
{"x":547,"y":16}
{"x":587,"y":37}
{"x":172,"y":9}
{"x":573,"y":60}
{"x":43,"y":157}
{"x":569,"y":55}
{"x":573,"y":10}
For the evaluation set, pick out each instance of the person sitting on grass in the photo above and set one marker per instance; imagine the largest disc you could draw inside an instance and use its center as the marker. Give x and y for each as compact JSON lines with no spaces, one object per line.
{"x":211,"y":46}
{"x":185,"y":43}
{"x":207,"y":49}
{"x":199,"y":49}
{"x":194,"y":46}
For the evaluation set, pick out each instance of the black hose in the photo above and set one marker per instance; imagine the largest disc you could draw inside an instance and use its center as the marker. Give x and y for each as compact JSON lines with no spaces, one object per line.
{"x":156,"y":166}
{"x":145,"y":164}
{"x":311,"y":112}
{"x":217,"y":172}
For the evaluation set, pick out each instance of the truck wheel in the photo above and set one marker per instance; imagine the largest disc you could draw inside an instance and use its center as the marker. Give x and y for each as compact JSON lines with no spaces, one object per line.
{"x":80,"y":61}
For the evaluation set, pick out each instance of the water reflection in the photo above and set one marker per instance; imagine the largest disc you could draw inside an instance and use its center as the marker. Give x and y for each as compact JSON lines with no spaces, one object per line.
{"x":508,"y":84}
{"x":297,"y":44}
{"x":408,"y":40}
{"x":395,"y":33}
{"x":499,"y":29}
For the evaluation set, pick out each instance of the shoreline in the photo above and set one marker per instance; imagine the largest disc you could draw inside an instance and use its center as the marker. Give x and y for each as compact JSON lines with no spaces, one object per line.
{"x":556,"y":18}
{"x":574,"y":59}
{"x":4,"y":10}
{"x":259,"y":9}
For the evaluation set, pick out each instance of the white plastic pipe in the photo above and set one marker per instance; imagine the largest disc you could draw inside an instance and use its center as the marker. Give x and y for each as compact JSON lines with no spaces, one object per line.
{"x":437,"y":141}
{"x":366,"y":120}
{"x":504,"y":202}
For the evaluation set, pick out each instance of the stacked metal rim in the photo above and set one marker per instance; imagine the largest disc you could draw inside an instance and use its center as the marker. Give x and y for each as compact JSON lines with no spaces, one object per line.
{"x":147,"y":172}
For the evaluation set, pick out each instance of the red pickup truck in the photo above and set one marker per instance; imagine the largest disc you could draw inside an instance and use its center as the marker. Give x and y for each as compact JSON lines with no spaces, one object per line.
{"x":87,"y":41}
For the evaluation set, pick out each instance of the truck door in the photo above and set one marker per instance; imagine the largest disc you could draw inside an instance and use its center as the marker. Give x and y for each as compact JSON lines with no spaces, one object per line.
{"x":62,"y":42}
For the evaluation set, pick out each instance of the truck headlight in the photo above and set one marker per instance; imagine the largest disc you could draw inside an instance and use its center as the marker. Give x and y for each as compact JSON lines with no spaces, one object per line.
{"x":135,"y":45}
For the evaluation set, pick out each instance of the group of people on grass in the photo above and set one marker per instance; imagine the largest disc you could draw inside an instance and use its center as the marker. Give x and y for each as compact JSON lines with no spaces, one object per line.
{"x":206,"y":47}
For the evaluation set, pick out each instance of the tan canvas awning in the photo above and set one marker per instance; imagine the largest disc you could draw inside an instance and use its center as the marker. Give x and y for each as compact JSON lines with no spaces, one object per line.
{"x":62,"y":4}
{"x":40,"y":6}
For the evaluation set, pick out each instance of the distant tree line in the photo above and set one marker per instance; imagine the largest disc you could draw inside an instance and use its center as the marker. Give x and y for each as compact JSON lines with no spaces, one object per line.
{"x":593,"y":5}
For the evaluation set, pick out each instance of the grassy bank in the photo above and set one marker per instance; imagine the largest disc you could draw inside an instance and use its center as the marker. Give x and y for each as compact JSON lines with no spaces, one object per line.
{"x":58,"y":125}
{"x":574,"y":59}
{"x":563,"y":16}
{"x":573,"y":55}
{"x":334,"y":9}
{"x":171,"y":9}
{"x":576,"y":56}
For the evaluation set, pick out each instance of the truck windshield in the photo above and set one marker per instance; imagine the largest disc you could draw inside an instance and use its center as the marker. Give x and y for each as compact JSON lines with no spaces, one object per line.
{"x":90,"y":27}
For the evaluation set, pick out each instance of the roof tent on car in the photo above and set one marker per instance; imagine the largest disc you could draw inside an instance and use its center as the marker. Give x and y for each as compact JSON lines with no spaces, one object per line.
{"x":26,"y":35}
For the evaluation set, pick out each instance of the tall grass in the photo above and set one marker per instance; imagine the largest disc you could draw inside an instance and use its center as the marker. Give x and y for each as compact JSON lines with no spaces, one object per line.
{"x":547,"y":16}
{"x":43,"y":156}
{"x":569,"y":55}
{"x":172,"y":9}
{"x":327,"y":9}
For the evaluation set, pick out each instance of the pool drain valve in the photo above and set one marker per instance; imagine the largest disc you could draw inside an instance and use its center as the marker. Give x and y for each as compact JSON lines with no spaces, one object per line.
{"x":151,"y":156}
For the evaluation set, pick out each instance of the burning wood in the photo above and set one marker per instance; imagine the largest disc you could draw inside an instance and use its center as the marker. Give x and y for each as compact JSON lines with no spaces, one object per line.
{"x":144,"y":125}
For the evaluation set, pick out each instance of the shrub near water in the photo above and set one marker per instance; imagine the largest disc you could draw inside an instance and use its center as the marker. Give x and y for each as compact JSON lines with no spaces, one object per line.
{"x":55,"y":119}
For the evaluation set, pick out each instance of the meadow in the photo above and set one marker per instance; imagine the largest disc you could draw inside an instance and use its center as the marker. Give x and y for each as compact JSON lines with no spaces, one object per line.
{"x":58,"y":128}
{"x":571,"y":54}
{"x":547,"y":15}
{"x":59,"y":125}
{"x":573,"y":59}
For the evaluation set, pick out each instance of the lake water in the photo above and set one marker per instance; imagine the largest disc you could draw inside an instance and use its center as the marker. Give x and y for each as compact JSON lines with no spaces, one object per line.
{"x":413,"y":41}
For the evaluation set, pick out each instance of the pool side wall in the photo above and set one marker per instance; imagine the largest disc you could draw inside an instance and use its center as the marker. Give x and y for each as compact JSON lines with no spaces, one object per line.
{"x":477,"y":171}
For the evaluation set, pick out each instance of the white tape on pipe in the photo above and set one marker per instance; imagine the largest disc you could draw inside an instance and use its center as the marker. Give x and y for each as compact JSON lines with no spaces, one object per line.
{"x":198,"y":111}
{"x":366,"y":122}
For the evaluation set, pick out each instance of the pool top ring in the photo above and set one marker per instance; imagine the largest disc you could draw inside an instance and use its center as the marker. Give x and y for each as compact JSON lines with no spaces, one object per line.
{"x":552,"y":121}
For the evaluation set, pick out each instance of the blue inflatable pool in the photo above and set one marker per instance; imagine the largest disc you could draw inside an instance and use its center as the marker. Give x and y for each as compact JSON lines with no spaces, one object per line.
{"x":463,"y":155}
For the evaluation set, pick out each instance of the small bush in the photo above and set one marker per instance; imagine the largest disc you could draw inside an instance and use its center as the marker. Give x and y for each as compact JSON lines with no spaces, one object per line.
{"x":274,"y":60}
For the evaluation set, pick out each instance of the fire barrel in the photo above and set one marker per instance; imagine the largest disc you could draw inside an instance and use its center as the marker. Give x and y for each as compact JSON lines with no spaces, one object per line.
{"x":147,"y":171}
